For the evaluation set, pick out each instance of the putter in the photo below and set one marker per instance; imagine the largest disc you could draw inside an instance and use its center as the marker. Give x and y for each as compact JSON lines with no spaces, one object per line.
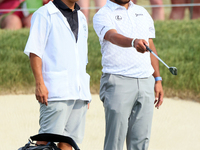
{"x":173,"y":70}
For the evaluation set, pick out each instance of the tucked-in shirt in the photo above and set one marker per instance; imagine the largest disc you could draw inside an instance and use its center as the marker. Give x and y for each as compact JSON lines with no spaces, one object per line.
{"x":134,"y":22}
{"x":63,"y":59}
{"x":71,"y":16}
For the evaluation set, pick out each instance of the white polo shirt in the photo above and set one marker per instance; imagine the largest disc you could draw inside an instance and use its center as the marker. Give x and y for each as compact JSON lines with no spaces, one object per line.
{"x":134,"y":22}
{"x":63,"y":60}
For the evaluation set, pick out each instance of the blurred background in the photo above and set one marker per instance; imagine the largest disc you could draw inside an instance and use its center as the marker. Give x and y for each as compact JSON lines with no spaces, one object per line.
{"x":177,"y":39}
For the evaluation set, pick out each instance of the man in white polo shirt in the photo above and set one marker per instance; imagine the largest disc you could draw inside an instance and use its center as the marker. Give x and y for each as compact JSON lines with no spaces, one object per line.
{"x":57,"y":47}
{"x":130,"y":74}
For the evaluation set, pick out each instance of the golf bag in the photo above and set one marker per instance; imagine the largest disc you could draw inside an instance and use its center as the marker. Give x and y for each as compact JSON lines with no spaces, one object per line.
{"x":51,"y":138}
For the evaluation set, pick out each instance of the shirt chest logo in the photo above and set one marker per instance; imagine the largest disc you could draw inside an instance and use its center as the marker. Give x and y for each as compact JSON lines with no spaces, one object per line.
{"x":118,"y":18}
{"x":137,"y":15}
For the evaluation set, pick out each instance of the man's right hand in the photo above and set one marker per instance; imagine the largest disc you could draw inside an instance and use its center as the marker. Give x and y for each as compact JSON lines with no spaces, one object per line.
{"x":41,"y":93}
{"x":140,"y":45}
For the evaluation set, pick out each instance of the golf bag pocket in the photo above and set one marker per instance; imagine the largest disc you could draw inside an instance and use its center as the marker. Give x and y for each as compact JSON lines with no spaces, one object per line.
{"x":51,"y":145}
{"x":32,"y":146}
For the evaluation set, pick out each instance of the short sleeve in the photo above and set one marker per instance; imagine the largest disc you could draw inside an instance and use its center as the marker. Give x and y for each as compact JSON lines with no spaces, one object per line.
{"x":102,"y":23}
{"x":38,"y":35}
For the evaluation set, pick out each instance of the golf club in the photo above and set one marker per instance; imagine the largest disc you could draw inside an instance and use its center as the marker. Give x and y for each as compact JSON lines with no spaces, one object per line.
{"x":173,"y":70}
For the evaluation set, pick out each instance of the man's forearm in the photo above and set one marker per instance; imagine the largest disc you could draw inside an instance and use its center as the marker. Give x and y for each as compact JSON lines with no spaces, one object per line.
{"x":118,"y":39}
{"x":123,"y":41}
{"x":36,"y":65}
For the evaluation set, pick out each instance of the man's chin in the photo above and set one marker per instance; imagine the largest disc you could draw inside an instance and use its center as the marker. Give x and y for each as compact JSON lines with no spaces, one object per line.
{"x":122,"y":2}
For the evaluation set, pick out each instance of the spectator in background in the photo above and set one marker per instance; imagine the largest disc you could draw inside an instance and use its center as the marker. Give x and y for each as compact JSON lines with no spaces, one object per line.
{"x":85,"y":4}
{"x":157,"y":12}
{"x":179,"y":12}
{"x":14,"y":20}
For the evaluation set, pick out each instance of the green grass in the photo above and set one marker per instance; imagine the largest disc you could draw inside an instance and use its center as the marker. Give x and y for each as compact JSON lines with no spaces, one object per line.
{"x":177,"y":43}
{"x":15,"y":71}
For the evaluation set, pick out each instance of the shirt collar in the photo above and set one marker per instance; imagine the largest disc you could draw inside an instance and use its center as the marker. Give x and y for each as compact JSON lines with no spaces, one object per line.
{"x":113,"y":6}
{"x":62,"y":5}
{"x":52,"y":8}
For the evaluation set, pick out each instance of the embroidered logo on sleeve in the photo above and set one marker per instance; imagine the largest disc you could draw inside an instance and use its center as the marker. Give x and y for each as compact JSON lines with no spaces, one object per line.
{"x":118,"y":17}
{"x":85,"y":30}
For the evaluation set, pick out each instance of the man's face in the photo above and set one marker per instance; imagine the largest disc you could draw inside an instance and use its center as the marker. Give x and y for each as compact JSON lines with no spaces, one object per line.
{"x":121,"y":2}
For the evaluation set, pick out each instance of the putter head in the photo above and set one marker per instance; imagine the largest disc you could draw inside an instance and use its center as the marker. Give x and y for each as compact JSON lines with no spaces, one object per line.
{"x":173,"y":70}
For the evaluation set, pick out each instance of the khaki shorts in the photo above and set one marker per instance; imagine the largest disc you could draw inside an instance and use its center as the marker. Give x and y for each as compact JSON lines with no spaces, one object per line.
{"x":64,"y":118}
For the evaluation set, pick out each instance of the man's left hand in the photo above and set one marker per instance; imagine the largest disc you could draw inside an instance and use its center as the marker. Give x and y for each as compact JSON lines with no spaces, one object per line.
{"x":158,"y":94}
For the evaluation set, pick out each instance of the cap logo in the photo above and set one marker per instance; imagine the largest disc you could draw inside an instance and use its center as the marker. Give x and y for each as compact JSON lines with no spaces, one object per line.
{"x":118,"y":17}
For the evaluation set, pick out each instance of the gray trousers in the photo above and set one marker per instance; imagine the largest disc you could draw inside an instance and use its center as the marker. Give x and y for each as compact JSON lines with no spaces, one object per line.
{"x":129,"y":105}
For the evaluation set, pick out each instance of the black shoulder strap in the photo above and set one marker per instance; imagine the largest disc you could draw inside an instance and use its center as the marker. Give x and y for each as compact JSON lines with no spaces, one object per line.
{"x":55,"y":138}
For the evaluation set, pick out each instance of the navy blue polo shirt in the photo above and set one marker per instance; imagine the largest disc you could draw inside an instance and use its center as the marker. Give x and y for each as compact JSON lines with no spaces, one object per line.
{"x":71,"y":16}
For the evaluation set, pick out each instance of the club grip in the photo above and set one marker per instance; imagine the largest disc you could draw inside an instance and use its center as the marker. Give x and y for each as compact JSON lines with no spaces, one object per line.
{"x":148,"y":48}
